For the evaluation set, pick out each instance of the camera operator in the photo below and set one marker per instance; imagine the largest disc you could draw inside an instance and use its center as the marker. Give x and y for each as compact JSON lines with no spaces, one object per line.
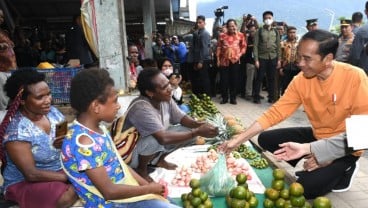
{"x":247,"y":21}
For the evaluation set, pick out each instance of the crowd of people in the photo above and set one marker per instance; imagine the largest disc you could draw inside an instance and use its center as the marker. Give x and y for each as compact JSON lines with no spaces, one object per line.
{"x":44,"y":169}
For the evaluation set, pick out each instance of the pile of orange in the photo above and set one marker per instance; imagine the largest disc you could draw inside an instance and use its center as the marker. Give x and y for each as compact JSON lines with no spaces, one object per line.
{"x":240,"y":196}
{"x":277,"y":196}
{"x":196,"y":198}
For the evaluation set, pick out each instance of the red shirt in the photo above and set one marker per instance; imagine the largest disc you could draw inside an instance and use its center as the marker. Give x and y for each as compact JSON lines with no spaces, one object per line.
{"x":230,"y":48}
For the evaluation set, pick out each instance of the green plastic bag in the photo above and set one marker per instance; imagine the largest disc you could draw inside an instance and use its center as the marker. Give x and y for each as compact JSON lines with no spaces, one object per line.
{"x":218,"y":181}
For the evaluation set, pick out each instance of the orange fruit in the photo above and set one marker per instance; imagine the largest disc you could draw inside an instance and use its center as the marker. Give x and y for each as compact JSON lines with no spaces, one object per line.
{"x":186,"y":203}
{"x":237,"y":128}
{"x":296,"y":189}
{"x":239,"y":192}
{"x":231,"y":193}
{"x":208,"y":204}
{"x":196,"y":201}
{"x":248,"y":195}
{"x":200,"y":140}
{"x":184,"y":197}
{"x":297,"y":201}
{"x":278,"y":184}
{"x":241,"y":178}
{"x":284,"y":193}
{"x":228,"y":200}
{"x":272,"y":194}
{"x":196,"y":192}
{"x":307,"y":205}
{"x":322,"y":202}
{"x":203,"y":196}
{"x":253,"y":202}
{"x":278,"y":174}
{"x":280,"y":203}
{"x":190,"y":196}
{"x":268,"y":203}
{"x":288,"y":204}
{"x":244,"y":184}
{"x":237,"y":203}
{"x":194,"y":183}
{"x":231,"y":122}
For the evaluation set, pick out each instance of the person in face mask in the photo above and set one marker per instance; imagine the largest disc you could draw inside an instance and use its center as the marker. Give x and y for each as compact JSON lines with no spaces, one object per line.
{"x":166,"y":68}
{"x":267,"y":58}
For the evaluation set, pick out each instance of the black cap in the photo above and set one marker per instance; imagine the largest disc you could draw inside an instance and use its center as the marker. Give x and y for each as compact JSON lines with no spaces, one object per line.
{"x":280,"y":23}
{"x":345,"y":22}
{"x":311,"y":22}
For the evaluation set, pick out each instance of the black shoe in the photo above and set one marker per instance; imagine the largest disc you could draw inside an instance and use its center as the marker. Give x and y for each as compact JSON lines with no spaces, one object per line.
{"x":248,"y":97}
{"x":347,"y":179}
{"x":257,"y":101}
{"x":270,"y":101}
{"x":223,"y":101}
{"x":233,"y":102}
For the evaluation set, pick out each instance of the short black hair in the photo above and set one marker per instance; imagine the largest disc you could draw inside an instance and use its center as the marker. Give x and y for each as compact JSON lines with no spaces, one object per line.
{"x":148,"y":62}
{"x":290,"y":28}
{"x":162,"y":61}
{"x":145,"y":80}
{"x":327,"y":41}
{"x":366,"y":5}
{"x":201,"y":17}
{"x":267,"y":12}
{"x":22,"y":78}
{"x":230,"y":20}
{"x":88,"y":85}
{"x":356,"y":17}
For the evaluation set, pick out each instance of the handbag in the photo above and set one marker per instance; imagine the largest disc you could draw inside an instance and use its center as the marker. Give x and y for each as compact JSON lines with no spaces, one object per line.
{"x":126,"y":140}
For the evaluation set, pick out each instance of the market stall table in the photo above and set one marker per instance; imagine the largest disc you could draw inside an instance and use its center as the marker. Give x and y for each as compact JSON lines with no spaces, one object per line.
{"x":261,"y":178}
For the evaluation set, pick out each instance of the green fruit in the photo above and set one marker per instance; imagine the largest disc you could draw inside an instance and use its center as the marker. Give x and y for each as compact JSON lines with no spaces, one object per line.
{"x":322,"y":202}
{"x":239,"y":192}
{"x":196,"y":201}
{"x":253,"y":202}
{"x":237,"y":203}
{"x":280,"y":203}
{"x":184,"y":197}
{"x":278,"y":174}
{"x":278,"y":184}
{"x":268,"y":203}
{"x":297,"y":201}
{"x":203,"y":196}
{"x":284,"y":193}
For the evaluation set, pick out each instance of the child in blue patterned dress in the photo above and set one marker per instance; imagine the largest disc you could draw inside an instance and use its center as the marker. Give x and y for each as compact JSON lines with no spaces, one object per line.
{"x":100,"y":177}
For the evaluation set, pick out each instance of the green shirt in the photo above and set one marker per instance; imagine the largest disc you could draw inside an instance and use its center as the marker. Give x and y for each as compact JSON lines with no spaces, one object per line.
{"x":267,"y":44}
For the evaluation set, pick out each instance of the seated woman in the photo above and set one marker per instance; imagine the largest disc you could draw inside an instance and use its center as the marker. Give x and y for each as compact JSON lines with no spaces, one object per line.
{"x":90,"y":158}
{"x":32,"y":174}
{"x":155,"y":115}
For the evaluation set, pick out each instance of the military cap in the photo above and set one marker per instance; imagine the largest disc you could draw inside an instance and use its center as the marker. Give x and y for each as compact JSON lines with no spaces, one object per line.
{"x":345,"y":22}
{"x":311,"y":22}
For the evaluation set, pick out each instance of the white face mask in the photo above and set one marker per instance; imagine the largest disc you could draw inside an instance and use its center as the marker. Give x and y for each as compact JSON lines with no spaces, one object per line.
{"x":167,"y":72}
{"x":268,"y":21}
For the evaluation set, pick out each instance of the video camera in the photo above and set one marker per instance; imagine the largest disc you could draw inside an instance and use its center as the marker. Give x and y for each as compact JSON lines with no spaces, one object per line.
{"x":219,"y":12}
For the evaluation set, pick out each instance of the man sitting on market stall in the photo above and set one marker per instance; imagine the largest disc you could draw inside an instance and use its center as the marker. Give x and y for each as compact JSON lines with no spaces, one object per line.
{"x":329,"y":91}
{"x":162,"y":126}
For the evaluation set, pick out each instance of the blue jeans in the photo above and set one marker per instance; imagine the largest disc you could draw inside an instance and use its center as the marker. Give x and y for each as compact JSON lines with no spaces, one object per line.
{"x":146,"y":204}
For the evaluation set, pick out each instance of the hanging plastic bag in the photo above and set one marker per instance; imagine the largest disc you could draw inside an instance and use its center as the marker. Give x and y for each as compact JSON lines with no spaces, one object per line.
{"x":218,"y":181}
